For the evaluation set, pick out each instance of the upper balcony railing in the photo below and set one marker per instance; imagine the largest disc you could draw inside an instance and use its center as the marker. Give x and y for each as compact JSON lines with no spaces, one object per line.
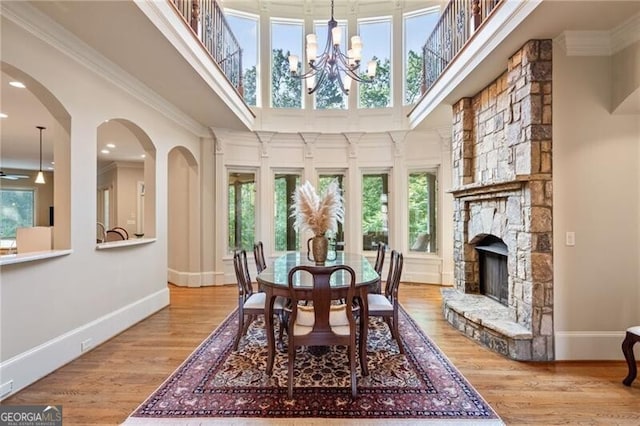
{"x":207,"y":21}
{"x":458,"y":22}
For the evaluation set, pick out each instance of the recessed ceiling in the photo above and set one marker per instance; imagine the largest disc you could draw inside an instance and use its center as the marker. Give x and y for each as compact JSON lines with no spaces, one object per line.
{"x":20,"y":137}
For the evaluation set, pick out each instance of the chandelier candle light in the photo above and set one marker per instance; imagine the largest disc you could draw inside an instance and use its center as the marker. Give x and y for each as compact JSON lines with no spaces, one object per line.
{"x":333,"y":64}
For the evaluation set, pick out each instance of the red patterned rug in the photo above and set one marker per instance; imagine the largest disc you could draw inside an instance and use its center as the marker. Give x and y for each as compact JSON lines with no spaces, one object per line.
{"x":216,"y":385}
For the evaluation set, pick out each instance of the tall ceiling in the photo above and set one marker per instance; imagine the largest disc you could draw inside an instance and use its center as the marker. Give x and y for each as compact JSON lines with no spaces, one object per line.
{"x":92,"y":22}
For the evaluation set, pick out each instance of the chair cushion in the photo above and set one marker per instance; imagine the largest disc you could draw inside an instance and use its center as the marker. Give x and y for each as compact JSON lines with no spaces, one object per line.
{"x":258,"y":300}
{"x":634,"y":330}
{"x":306,"y":318}
{"x":378,"y":302}
{"x":255,"y":301}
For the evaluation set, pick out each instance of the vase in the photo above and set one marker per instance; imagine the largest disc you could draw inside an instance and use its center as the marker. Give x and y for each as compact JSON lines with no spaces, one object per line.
{"x":319,"y":249}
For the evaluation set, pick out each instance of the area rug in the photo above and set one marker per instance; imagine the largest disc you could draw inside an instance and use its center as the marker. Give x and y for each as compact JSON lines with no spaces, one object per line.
{"x":217,"y":385}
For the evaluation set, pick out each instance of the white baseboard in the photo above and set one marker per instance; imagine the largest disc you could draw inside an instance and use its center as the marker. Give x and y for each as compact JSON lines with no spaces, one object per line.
{"x":28,"y":367}
{"x":194,"y":279}
{"x":590,"y":345}
{"x":184,"y":279}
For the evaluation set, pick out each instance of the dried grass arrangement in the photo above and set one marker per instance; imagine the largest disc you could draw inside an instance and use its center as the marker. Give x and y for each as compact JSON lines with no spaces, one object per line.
{"x":315,"y":213}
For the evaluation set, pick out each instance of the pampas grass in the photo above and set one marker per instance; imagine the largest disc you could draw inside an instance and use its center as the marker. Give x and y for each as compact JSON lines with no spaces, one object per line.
{"x":317,"y":214}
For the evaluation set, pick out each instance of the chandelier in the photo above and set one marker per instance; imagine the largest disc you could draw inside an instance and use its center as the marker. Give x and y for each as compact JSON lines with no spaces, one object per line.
{"x":332,"y":64}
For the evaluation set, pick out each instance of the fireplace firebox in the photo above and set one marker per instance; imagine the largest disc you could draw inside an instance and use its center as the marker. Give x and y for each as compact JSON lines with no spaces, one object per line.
{"x":494,"y":274}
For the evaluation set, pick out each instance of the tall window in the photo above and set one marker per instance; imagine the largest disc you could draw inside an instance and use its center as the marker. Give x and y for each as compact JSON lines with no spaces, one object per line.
{"x":286,"y":237}
{"x":417,"y":27}
{"x":375,"y":210}
{"x":376,"y":38}
{"x":245,"y":28}
{"x":242,"y":210}
{"x":16,"y":211}
{"x":422,"y":211}
{"x":329,"y":95}
{"x":323,"y":182}
{"x":286,"y":39}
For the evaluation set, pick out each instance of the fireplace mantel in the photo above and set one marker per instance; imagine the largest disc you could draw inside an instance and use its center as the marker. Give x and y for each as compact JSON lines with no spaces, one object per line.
{"x":480,"y":189}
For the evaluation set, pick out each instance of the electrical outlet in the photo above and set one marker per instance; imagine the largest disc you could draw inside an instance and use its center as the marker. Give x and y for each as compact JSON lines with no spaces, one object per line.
{"x":570,"y":239}
{"x":86,"y":344}
{"x":6,"y":388}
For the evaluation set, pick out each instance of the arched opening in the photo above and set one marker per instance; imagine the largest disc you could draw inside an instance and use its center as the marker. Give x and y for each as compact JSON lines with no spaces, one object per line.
{"x":25,"y":107}
{"x":183,"y":219}
{"x":125,"y":182}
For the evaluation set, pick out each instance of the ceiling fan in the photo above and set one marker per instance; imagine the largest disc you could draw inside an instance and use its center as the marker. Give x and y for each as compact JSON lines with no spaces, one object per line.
{"x":12,"y":176}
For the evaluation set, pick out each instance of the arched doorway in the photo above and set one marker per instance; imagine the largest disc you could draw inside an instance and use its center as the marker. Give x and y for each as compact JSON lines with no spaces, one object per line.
{"x":183,"y":219}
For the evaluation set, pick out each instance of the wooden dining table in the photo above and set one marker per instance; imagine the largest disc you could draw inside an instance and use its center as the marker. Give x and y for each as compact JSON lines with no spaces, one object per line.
{"x":273,"y":280}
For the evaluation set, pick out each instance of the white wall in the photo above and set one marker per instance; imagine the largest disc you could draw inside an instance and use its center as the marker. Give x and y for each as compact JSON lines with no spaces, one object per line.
{"x":596,"y":195}
{"x":49,"y":307}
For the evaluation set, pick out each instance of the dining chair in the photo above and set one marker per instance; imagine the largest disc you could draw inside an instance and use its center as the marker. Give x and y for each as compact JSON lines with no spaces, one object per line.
{"x":112,"y":235}
{"x":386,"y":305}
{"x":121,"y":230}
{"x":377,"y":286}
{"x":101,"y":233}
{"x":325,"y":323}
{"x":258,"y":255}
{"x":250,"y":303}
{"x":631,"y":338}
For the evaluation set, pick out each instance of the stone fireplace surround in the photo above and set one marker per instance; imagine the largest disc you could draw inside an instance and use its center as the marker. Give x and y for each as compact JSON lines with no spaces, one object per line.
{"x":501,"y":149}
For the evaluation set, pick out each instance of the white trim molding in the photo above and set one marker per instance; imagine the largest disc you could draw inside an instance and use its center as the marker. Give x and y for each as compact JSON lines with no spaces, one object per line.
{"x":590,"y":345}
{"x":601,"y":43}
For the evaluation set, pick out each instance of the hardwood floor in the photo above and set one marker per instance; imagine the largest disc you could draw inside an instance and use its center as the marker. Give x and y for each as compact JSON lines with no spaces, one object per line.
{"x":105,"y":385}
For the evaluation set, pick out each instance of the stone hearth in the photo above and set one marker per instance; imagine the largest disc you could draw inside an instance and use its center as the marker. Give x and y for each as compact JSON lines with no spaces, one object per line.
{"x":502,"y":188}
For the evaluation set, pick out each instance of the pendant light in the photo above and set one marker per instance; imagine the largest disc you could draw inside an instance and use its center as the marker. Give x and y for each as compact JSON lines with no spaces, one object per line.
{"x":40,"y":177}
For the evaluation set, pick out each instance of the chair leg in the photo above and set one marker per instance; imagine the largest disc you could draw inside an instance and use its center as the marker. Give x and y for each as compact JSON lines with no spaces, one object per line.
{"x":352,"y":367}
{"x":292,"y":358}
{"x":396,"y":331}
{"x":282,"y":325}
{"x":240,"y":330}
{"x":627,"y":349}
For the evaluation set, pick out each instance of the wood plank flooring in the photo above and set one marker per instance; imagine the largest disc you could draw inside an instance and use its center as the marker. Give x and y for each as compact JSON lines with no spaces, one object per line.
{"x":105,"y":385}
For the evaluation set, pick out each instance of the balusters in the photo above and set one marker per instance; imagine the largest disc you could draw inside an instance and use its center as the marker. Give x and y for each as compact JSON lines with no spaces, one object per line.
{"x":206,"y":19}
{"x":459,"y":20}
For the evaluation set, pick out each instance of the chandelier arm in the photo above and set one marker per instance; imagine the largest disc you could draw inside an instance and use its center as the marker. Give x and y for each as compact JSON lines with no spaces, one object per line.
{"x":319,"y":81}
{"x":341,"y":85}
{"x":355,"y":76}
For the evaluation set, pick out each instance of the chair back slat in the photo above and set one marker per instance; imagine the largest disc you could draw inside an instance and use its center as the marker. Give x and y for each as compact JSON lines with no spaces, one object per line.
{"x":240,"y":266}
{"x":321,"y":276}
{"x":258,"y":254}
{"x":382,"y":248}
{"x":396,"y":261}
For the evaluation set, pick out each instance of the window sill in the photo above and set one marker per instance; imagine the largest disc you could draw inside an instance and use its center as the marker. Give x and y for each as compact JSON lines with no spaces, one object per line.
{"x":10,"y":259}
{"x":124,"y":243}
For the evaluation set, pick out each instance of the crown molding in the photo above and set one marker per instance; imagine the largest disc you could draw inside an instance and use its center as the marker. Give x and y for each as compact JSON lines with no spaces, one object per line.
{"x":36,"y":23}
{"x":585,"y":43}
{"x":626,"y":33}
{"x":601,"y":43}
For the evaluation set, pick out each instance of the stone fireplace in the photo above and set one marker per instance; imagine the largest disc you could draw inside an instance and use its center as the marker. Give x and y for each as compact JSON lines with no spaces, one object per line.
{"x":502,"y":190}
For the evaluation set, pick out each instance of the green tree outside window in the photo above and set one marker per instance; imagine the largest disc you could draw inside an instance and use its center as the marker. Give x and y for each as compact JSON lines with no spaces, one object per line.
{"x":16,"y":211}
